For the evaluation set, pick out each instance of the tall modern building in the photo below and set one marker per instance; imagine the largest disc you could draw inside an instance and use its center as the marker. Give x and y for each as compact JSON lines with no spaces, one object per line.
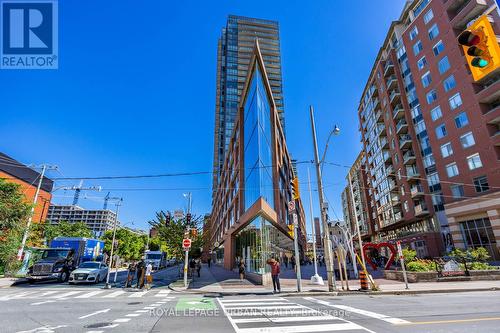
{"x":430,"y":133}
{"x":250,"y":209}
{"x":234,"y":50}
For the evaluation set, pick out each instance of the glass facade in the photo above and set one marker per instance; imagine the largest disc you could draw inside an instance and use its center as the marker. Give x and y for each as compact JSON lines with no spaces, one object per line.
{"x":257,"y":145}
{"x":260,"y":241}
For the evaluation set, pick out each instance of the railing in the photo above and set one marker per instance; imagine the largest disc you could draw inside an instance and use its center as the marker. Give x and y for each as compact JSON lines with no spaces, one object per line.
{"x":402,"y":123}
{"x":408,"y":155}
{"x":416,"y":189}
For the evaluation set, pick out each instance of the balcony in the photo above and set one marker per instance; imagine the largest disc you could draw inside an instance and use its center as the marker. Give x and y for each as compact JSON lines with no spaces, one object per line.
{"x":394,"y":97}
{"x":412,"y":174}
{"x":384,"y":143}
{"x":409,"y":157}
{"x":491,"y":88}
{"x":421,"y":209}
{"x":390,"y":172}
{"x":405,"y":141}
{"x":398,"y":112}
{"x":395,"y":199}
{"x":376,"y":103}
{"x":465,"y":11}
{"x":392,"y":185}
{"x":386,"y":156}
{"x":381,"y":130}
{"x":391,"y":80}
{"x":378,"y":116}
{"x":388,"y":68}
{"x":416,"y":191}
{"x":402,"y":126}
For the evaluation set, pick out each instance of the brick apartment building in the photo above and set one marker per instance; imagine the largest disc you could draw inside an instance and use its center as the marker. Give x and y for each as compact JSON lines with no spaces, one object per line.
{"x":13,"y":171}
{"x":431,"y":135}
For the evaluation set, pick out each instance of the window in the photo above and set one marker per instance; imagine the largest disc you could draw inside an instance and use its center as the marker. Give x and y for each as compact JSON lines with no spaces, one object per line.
{"x":455,"y":101}
{"x":438,"y":48}
{"x":452,"y":170}
{"x":474,"y":161}
{"x":413,"y":33}
{"x":449,"y":83}
{"x":433,"y":31}
{"x":461,"y":120}
{"x":443,"y":65}
{"x":431,"y":96}
{"x":479,"y":233}
{"x":457,"y":191}
{"x":428,"y":16}
{"x":436,"y":113}
{"x":467,"y":140}
{"x":433,"y":179}
{"x":417,"y":47}
{"x":422,"y":63}
{"x":481,"y":184}
{"x":446,"y":150}
{"x":441,"y":131}
{"x":429,"y":160}
{"x":426,"y":79}
{"x":420,"y":127}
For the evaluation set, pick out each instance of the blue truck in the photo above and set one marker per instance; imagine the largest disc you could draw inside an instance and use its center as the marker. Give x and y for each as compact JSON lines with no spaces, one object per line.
{"x":63,"y":256}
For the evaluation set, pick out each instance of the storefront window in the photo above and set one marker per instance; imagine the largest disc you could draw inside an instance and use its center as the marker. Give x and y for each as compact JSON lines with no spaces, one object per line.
{"x":479,"y":233}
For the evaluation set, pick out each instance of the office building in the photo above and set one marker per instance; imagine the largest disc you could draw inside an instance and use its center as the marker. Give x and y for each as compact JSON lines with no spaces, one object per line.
{"x":28,"y":179}
{"x":430,"y":133}
{"x":250,"y":217}
{"x":234,"y":50}
{"x":98,"y":220}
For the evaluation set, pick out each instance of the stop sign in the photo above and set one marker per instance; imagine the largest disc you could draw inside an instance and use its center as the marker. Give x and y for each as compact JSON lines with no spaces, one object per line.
{"x":186,"y":242}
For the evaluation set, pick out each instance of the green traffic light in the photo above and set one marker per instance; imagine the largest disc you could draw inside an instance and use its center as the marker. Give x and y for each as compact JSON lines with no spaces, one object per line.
{"x":479,"y":62}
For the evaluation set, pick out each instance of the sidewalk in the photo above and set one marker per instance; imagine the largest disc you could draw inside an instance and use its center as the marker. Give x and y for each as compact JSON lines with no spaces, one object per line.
{"x":219,"y":280}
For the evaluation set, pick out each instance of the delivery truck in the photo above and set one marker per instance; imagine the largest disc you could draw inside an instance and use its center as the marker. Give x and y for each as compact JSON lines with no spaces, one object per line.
{"x":63,"y":256}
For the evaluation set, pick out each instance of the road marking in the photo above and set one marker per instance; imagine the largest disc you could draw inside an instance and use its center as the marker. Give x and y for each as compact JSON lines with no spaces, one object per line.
{"x":281,"y":308}
{"x":94,"y":313}
{"x":284,"y":319}
{"x":70,"y":293}
{"x":141,"y":311}
{"x":111,"y":326}
{"x":392,"y":320}
{"x":16,"y":296}
{"x":451,"y":321}
{"x":138,"y":294}
{"x":43,"y":302}
{"x":148,"y":308}
{"x":133,"y":315}
{"x":95,"y":332}
{"x":304,"y":328}
{"x":162,"y":293}
{"x":43,"y":329}
{"x":116,"y":293}
{"x":90,"y":294}
{"x":256,"y":303}
{"x":252,"y":300}
{"x":49,"y":292}
{"x":121,"y":320}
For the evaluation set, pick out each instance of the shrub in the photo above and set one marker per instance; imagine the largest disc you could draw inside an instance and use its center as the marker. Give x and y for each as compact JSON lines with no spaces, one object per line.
{"x":480,"y":254}
{"x":479,"y":266}
{"x":409,"y":254}
{"x":421,"y":265}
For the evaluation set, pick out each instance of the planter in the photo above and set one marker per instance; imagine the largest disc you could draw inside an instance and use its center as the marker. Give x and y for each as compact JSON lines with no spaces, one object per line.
{"x":433,"y":277}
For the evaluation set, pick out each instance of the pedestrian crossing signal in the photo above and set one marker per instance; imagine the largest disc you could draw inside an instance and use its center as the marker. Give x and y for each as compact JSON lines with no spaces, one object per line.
{"x":481,"y":48}
{"x":295,"y":188}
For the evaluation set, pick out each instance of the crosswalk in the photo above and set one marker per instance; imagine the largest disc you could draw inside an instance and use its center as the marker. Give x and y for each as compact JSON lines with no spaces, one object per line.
{"x":279,"y":315}
{"x":63,"y":294}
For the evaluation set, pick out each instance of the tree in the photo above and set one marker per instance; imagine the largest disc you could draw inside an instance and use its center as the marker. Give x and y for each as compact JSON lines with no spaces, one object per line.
{"x":171,"y":234}
{"x":14,"y":214}
{"x":66,"y":229}
{"x":128,"y":245}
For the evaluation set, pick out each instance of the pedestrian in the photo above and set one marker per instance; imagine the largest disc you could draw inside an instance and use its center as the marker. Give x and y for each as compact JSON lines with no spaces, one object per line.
{"x":132,"y":267}
{"x":141,"y":266}
{"x":292,"y":259}
{"x":209,"y":261}
{"x":286,"y":261}
{"x":275,"y":274}
{"x":192,"y":266}
{"x":149,"y":277}
{"x":241,"y":269}
{"x":198,"y":266}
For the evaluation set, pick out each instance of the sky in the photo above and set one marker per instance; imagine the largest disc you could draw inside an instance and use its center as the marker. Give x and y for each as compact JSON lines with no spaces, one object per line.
{"x":135,"y":95}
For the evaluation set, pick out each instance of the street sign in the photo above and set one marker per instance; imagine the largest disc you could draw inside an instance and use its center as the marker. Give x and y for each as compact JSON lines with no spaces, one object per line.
{"x":186,"y":243}
{"x":291,"y":206}
{"x":400,"y":250}
{"x":178,"y":214}
{"x":295,"y":219}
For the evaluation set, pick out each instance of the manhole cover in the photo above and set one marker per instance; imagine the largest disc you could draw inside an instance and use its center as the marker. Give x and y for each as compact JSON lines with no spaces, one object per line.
{"x":98,"y":325}
{"x":134,"y":303}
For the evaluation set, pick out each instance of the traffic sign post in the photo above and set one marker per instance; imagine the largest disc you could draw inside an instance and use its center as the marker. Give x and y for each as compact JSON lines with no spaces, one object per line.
{"x":186,"y":244}
{"x":402,"y":261}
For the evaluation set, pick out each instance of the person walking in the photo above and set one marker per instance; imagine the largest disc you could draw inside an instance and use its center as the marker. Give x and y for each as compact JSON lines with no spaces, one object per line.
{"x":192,"y":267}
{"x":292,"y":260}
{"x":198,"y":266}
{"x":209,"y":261}
{"x":241,"y":269}
{"x":275,"y":274}
{"x":148,"y":275}
{"x":141,"y":266}
{"x":286,"y":261}
{"x":132,"y":267}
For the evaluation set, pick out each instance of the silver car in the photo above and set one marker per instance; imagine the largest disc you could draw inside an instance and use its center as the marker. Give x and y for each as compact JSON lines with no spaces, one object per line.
{"x":89,"y":271}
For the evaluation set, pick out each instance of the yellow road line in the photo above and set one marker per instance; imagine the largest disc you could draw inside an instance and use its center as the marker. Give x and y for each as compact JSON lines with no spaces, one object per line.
{"x":449,"y":321}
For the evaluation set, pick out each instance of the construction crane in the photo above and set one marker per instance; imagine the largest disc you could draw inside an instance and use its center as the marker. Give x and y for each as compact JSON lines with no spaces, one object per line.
{"x":79,"y":188}
{"x":106,"y":199}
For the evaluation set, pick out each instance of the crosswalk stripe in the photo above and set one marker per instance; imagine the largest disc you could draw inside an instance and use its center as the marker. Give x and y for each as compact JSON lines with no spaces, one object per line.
{"x":256,"y":303}
{"x":304,"y":328}
{"x":284,"y":319}
{"x":275,"y":312}
{"x":138,"y":294}
{"x":17,"y":296}
{"x":50,"y":292}
{"x":114,"y":294}
{"x":162,"y":293}
{"x":224,"y":301}
{"x":90,"y":294}
{"x":250,"y":308}
{"x":64,"y":295}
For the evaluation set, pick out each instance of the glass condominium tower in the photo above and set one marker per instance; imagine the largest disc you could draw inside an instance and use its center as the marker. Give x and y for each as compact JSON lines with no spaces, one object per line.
{"x":234,"y":51}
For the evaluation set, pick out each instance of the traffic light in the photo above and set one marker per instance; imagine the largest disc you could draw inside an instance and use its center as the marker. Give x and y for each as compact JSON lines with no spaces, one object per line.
{"x":188,"y":218}
{"x":295,"y":188}
{"x":481,"y":48}
{"x":194,"y":233}
{"x":291,"y":230}
{"x":168,"y":218}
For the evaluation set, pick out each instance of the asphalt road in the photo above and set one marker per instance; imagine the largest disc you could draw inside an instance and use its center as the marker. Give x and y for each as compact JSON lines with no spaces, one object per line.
{"x":46,"y":308}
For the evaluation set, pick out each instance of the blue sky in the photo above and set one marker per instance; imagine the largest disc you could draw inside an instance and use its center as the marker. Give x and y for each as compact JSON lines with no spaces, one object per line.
{"x":135,"y":94}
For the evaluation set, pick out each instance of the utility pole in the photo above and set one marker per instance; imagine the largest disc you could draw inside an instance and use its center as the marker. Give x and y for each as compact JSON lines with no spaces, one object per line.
{"x":326,"y":233}
{"x":108,"y":286}
{"x":44,"y":167}
{"x":186,"y":255}
{"x":315,"y":279}
{"x":357,"y":222}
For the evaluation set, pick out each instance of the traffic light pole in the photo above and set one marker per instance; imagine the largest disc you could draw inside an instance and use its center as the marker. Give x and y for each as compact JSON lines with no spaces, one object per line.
{"x":327,"y":243}
{"x":297,"y":253}
{"x":186,"y":255}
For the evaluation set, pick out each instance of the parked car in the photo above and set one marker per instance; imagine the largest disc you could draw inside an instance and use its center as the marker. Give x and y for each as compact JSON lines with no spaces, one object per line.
{"x":89,"y":271}
{"x":171,"y":262}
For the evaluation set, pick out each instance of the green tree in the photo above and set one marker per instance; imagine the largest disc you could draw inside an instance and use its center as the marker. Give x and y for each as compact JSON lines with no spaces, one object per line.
{"x":14,"y":214}
{"x":129,"y":245}
{"x":66,"y":229}
{"x":172,"y":234}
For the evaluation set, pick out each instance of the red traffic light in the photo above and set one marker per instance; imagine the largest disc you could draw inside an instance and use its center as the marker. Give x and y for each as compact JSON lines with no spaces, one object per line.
{"x":469,"y":38}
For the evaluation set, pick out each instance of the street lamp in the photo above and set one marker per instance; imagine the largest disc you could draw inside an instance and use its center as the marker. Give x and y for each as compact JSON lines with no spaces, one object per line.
{"x":323,"y":207}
